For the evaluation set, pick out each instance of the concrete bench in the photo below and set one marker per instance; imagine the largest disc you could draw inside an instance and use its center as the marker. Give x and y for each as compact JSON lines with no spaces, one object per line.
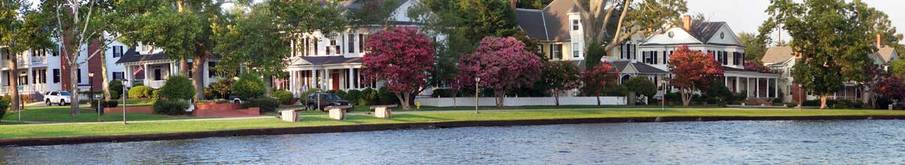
{"x":290,"y":115}
{"x":338,"y":112}
{"x":383,"y":111}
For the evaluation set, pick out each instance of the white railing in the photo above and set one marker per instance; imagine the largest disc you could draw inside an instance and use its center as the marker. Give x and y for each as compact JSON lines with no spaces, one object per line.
{"x":39,"y":60}
{"x":156,"y":83}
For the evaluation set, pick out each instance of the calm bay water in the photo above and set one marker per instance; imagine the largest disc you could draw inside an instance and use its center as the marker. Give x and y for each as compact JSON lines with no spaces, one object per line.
{"x":727,"y":142}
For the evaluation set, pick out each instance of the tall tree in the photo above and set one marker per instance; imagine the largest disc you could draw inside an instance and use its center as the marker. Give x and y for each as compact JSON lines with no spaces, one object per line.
{"x":21,"y":29}
{"x":254,"y":41}
{"x":692,"y":71}
{"x":891,"y":87}
{"x":182,"y":28}
{"x":502,"y":64}
{"x":77,"y":23}
{"x":401,"y":57}
{"x":833,"y":38}
{"x":560,"y":76}
{"x":644,"y":18}
{"x":754,"y":48}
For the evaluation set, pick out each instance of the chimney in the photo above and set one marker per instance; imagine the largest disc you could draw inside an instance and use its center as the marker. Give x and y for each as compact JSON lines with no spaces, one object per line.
{"x":879,"y":40}
{"x":513,"y":4}
{"x":686,"y":22}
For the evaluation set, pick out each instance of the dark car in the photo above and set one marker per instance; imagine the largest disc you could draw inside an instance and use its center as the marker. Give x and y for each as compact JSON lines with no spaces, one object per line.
{"x":326,"y":99}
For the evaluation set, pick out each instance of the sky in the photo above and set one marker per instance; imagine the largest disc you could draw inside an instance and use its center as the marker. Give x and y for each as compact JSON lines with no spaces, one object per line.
{"x":747,"y":15}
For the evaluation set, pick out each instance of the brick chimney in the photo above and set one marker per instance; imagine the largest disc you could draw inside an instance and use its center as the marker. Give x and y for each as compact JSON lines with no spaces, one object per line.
{"x":879,"y":40}
{"x":686,"y":22}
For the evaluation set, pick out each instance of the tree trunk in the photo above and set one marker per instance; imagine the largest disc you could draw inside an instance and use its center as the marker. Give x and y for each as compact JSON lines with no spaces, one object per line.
{"x":403,"y":101}
{"x":632,"y":98}
{"x":598,"y":99}
{"x":268,"y":85}
{"x":198,"y":74}
{"x":686,"y":97}
{"x":73,"y":86}
{"x":823,"y":99}
{"x":105,"y":81}
{"x":616,"y":37}
{"x":556,"y":97}
{"x":499,"y":100}
{"x":14,"y":82}
{"x":183,"y":67}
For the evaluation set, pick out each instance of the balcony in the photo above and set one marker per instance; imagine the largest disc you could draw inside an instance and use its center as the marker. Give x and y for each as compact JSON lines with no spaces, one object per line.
{"x":38,"y":60}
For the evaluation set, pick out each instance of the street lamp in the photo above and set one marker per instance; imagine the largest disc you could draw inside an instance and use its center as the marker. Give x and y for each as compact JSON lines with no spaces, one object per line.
{"x":477,"y":88}
{"x":124,"y":95}
{"x":91,"y":90}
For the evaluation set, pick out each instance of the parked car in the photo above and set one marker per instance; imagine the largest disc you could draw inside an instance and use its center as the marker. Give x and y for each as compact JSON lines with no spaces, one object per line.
{"x":326,"y":99}
{"x":57,"y":97}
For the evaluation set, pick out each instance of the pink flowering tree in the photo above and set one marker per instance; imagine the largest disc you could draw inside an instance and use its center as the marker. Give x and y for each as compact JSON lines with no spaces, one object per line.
{"x":692,"y":70}
{"x":502,"y":64}
{"x":402,"y":58}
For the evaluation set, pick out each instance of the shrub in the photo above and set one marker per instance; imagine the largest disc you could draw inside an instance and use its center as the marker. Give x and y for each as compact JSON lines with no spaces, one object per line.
{"x":285,"y":97}
{"x":443,"y":92}
{"x":385,"y":97}
{"x":248,"y":86}
{"x":116,"y":89}
{"x":219,"y":90}
{"x":4,"y":105}
{"x":177,"y":87}
{"x":368,"y":97}
{"x":155,"y":94}
{"x":267,"y":104}
{"x":107,"y":104}
{"x":353,"y":96}
{"x":171,"y":107}
{"x":304,"y":97}
{"x":139,"y":92}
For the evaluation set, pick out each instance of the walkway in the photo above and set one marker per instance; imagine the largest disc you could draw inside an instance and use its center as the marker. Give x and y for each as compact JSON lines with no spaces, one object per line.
{"x":32,"y":123}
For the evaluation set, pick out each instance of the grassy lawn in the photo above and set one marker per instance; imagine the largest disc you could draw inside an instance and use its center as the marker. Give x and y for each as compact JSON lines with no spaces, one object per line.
{"x":61,"y":114}
{"x":311,"y":119}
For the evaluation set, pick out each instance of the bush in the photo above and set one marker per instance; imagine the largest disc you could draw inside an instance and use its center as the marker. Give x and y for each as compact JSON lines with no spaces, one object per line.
{"x":4,"y":105}
{"x":248,"y":86}
{"x":285,"y":97}
{"x":267,"y":104}
{"x":140,"y":92}
{"x":171,"y":107}
{"x":219,"y":90}
{"x":107,"y":104}
{"x":353,"y":96}
{"x":385,"y":97}
{"x":304,"y":97}
{"x":177,"y":87}
{"x":116,"y":89}
{"x":368,"y":97}
{"x":443,"y":93}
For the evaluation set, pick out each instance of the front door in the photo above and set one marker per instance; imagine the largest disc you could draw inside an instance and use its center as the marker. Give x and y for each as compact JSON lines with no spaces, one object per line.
{"x":335,"y":77}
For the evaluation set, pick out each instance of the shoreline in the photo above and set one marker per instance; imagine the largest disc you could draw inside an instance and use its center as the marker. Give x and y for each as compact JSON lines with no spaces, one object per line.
{"x":414,"y":125}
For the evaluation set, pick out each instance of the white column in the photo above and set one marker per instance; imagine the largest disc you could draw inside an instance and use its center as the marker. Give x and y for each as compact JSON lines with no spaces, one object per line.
{"x":326,"y":81}
{"x":748,"y":85}
{"x":776,"y":88}
{"x":757,"y":87}
{"x":147,"y":79}
{"x":349,"y":79}
{"x":127,"y":75}
{"x":737,"y":85}
{"x":292,"y":77}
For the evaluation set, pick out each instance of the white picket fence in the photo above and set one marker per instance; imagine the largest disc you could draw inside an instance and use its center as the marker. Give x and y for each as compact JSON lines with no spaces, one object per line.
{"x":519,"y":101}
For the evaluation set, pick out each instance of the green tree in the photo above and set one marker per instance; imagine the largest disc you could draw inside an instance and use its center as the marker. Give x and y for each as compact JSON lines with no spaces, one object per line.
{"x":897,"y":67}
{"x":644,"y":18}
{"x":833,"y":37}
{"x":640,"y":86}
{"x":177,"y":87}
{"x":560,"y":76}
{"x":21,"y":29}
{"x":252,"y":40}
{"x":249,"y":86}
{"x":182,"y":28}
{"x":754,"y":48}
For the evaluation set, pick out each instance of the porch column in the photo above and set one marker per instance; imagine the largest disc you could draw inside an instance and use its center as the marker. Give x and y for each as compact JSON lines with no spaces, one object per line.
{"x":128,"y":75}
{"x":748,"y":84}
{"x":776,"y":88}
{"x":349,"y":80}
{"x":147,"y":79}
{"x":327,"y":83}
{"x":292,"y":77}
{"x":737,"y":85}
{"x":757,"y":87}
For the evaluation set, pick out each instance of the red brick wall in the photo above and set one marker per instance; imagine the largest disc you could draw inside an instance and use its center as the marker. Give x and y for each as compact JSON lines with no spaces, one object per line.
{"x":94,"y":66}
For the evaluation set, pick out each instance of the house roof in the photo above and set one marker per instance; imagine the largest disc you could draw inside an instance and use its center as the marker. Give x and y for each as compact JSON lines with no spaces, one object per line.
{"x":777,"y":55}
{"x":324,"y":60}
{"x":703,"y":31}
{"x":641,"y":67}
{"x":550,"y":23}
{"x":887,"y":52}
{"x":133,"y":56}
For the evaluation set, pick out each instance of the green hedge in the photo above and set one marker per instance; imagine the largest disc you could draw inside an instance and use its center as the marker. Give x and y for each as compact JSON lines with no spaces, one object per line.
{"x":171,"y":107}
{"x":4,"y":105}
{"x":116,"y":89}
{"x":266,"y":104}
{"x":285,"y":97}
{"x":177,"y":87}
{"x":248,"y":86}
{"x":140,"y":92}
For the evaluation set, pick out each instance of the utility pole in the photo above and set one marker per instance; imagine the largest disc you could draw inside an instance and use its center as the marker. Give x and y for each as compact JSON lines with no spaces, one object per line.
{"x":477,"y":89}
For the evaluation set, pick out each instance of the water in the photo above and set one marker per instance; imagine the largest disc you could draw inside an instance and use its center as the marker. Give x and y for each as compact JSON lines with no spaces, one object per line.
{"x":729,"y":142}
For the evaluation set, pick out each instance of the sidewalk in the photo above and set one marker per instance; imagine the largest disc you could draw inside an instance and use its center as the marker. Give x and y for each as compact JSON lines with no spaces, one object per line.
{"x":38,"y":123}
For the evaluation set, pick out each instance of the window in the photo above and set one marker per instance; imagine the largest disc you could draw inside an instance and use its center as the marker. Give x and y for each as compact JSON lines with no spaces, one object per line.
{"x":576,"y":50}
{"x":56,"y":75}
{"x":361,"y":42}
{"x":736,"y":58}
{"x":575,"y":24}
{"x":654,"y":56}
{"x":78,"y":76}
{"x":23,"y":78}
{"x":117,"y":51}
{"x":557,"y":51}
{"x":351,"y":43}
{"x":646,"y":56}
{"x":157,"y":74}
{"x":332,"y":42}
{"x":336,"y":46}
{"x":210,"y":70}
{"x":315,"y":47}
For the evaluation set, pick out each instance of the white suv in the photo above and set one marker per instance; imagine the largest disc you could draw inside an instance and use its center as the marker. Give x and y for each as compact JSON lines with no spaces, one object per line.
{"x":57,"y":97}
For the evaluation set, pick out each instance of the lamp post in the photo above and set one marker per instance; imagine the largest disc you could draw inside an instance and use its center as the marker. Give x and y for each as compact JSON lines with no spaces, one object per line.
{"x":124,"y":95}
{"x":91,"y":90}
{"x":477,"y":89}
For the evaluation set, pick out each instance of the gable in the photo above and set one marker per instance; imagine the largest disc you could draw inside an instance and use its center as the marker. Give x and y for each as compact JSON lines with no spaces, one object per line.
{"x":400,"y":14}
{"x":673,"y":36}
{"x":724,"y":36}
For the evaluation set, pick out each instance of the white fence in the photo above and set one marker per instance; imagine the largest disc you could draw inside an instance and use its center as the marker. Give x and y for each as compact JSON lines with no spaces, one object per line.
{"x":519,"y":101}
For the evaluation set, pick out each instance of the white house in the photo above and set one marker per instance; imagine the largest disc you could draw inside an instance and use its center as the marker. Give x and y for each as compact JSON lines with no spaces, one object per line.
{"x":715,"y":38}
{"x":151,"y":67}
{"x":333,"y":61}
{"x":558,"y":28}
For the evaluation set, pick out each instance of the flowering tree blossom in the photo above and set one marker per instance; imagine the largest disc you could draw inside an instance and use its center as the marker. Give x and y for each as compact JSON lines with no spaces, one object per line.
{"x":502,"y":64}
{"x":401,"y":57}
{"x":891,"y":87}
{"x":692,"y":70}
{"x":596,"y":78}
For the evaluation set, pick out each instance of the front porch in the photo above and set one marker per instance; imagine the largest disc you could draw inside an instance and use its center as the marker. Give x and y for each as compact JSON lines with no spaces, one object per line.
{"x":153,"y":74}
{"x":754,"y":85}
{"x":325,"y":72}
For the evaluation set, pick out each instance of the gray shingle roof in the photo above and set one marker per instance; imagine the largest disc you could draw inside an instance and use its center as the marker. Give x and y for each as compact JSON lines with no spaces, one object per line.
{"x":133,"y":56}
{"x":552,"y":22}
{"x":323,"y":60}
{"x":641,"y":67}
{"x":703,"y":31}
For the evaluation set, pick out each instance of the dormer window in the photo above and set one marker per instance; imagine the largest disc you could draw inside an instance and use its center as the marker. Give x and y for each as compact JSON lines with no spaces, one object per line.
{"x":575,"y":24}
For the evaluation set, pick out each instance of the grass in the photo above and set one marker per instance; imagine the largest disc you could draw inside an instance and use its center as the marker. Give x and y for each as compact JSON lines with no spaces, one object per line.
{"x":61,"y":114}
{"x":313,"y":119}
